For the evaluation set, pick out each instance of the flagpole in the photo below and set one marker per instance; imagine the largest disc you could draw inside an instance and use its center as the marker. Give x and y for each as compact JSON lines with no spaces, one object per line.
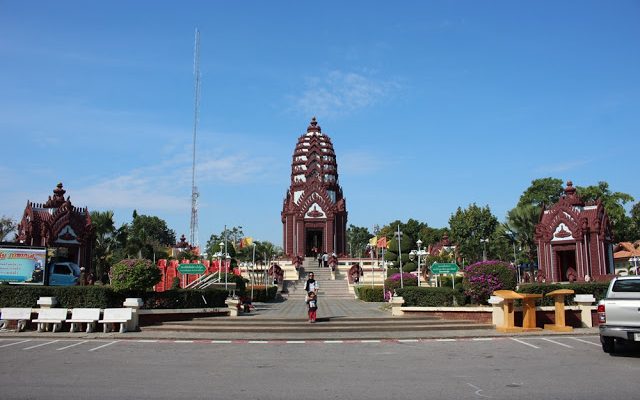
{"x":400,"y":258}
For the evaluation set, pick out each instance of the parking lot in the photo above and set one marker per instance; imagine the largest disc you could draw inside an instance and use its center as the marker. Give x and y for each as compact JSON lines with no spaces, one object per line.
{"x":541,"y":367}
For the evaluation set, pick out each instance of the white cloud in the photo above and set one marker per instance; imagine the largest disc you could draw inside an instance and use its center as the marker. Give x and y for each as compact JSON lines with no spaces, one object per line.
{"x":342,"y":92}
{"x":562,"y":167}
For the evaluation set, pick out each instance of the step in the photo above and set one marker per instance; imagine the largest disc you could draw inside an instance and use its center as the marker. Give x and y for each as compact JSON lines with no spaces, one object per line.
{"x":321,"y":326}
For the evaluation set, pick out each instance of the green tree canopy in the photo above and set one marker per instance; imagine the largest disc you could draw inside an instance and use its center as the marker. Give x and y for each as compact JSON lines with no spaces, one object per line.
{"x":7,"y":225}
{"x":470,"y":225}
{"x":613,"y":203}
{"x":542,"y":191}
{"x":357,"y":240}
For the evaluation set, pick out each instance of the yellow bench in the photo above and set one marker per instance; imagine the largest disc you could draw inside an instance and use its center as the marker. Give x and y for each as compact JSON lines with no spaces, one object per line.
{"x":528,"y":311}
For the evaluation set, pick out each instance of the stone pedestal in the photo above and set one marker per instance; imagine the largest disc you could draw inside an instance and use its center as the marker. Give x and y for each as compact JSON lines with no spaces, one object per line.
{"x":135,"y":304}
{"x":497,"y":313}
{"x":233,"y":306}
{"x":396,"y":305}
{"x":584,"y":302}
{"x":47,"y":302}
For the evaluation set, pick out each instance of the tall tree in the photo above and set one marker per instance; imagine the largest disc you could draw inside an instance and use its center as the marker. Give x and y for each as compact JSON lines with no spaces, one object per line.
{"x":105,"y":241}
{"x":147,"y":234}
{"x":7,"y":225}
{"x":613,"y":203}
{"x":542,"y":191}
{"x":521,"y":222}
{"x":414,"y":230}
{"x":357,"y":240}
{"x":468,"y":227}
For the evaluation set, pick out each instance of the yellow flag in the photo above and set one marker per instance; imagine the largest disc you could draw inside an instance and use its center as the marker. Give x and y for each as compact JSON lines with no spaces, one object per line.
{"x":373,"y":241}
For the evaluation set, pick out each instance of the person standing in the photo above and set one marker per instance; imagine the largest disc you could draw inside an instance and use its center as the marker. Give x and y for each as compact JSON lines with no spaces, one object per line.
{"x":312,"y":302}
{"x":311,"y":286}
{"x":325,"y":260}
{"x":319,"y":258}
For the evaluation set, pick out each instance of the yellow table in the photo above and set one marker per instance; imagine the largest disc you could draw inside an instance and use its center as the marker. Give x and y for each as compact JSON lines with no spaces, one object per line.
{"x":558,"y":297}
{"x":528,"y":311}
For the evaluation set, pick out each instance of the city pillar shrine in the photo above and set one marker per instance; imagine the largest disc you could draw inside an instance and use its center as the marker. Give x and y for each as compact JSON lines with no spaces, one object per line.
{"x":574,"y":240}
{"x":314,"y":215}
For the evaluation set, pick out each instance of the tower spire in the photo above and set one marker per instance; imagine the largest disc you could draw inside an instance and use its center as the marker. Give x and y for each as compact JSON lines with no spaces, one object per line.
{"x":193,"y":236}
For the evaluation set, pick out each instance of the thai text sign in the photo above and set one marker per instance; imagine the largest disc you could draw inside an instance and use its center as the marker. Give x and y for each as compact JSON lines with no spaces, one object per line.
{"x":191,"y":268}
{"x":24,"y":265}
{"x":444,"y":268}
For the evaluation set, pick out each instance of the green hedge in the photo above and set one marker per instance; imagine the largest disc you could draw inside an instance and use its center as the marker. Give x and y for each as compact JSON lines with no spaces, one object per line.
{"x":259,"y":293}
{"x":597,"y":289}
{"x":369,"y":293}
{"x":106,"y":296}
{"x":431,"y":296}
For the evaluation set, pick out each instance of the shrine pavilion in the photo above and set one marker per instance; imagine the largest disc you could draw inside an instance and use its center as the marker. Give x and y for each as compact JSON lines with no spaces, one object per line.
{"x":574,"y":240}
{"x":314,"y":215}
{"x":60,"y":226}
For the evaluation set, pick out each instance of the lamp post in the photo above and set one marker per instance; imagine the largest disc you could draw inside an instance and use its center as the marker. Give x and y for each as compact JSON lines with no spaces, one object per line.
{"x":635,"y":260}
{"x":399,"y":236}
{"x":253,"y":268}
{"x":512,"y":236}
{"x":484,"y":248}
{"x":420,"y":252}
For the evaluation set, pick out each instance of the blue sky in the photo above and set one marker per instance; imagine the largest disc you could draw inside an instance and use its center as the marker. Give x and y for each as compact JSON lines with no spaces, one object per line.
{"x":430,"y":105}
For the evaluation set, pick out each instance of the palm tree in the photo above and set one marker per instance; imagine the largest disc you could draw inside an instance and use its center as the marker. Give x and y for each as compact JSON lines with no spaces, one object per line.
{"x":522,"y":221}
{"x":105,"y":242}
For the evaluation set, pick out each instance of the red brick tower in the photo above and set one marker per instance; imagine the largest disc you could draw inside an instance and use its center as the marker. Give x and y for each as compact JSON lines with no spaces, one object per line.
{"x":314,"y":212}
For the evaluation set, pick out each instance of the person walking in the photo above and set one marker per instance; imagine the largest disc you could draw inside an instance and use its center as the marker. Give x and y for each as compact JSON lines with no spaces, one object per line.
{"x":311,"y":286}
{"x":319,"y":258}
{"x":325,"y":260}
{"x":312,"y":303}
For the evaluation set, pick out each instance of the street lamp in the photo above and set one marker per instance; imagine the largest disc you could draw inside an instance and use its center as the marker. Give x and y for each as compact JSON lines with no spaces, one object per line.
{"x":484,"y":248}
{"x":635,"y":260}
{"x":420,"y":252}
{"x":512,"y":236}
{"x":399,"y":236}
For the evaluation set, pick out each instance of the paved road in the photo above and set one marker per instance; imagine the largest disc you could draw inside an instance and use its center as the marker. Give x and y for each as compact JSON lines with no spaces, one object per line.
{"x":567,"y":367}
{"x":327,"y":308}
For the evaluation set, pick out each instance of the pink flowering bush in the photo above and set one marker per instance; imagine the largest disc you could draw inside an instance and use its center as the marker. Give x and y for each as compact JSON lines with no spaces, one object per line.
{"x":393,"y":282}
{"x":134,"y":274}
{"x":483,"y":278}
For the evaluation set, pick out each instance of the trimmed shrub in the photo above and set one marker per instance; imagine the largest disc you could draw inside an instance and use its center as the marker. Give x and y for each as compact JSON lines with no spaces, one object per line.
{"x":597,"y":289}
{"x":392,"y":271}
{"x":393,"y":282}
{"x":369,"y":293}
{"x":446,"y":281}
{"x":431,"y":296}
{"x":409,"y":267}
{"x":106,"y":297}
{"x":262,"y":295}
{"x":483,"y":278}
{"x":134,"y":274}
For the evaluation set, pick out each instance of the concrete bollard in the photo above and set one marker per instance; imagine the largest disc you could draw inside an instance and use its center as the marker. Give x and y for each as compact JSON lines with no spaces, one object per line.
{"x":396,"y":305}
{"x":135,"y":304}
{"x":497,"y":312}
{"x":584,"y":302}
{"x":233,"y":306}
{"x":47,"y":302}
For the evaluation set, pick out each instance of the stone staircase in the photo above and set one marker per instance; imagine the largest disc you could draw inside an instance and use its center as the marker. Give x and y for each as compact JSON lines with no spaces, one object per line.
{"x":338,"y":289}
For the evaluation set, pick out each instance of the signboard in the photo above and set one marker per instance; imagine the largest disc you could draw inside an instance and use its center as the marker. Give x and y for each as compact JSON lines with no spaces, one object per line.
{"x":191,"y":268}
{"x":23,"y":265}
{"x":444,"y":268}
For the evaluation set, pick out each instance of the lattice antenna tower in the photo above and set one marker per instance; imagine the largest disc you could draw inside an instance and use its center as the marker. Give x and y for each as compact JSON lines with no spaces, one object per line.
{"x":193,"y":236}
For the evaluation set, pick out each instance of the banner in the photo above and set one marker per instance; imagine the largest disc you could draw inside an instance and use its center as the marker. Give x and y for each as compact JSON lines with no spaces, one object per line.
{"x":373,"y":241}
{"x":382,"y":243}
{"x":24,"y":265}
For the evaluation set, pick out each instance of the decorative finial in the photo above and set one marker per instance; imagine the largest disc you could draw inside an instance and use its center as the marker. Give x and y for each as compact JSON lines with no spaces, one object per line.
{"x":569,"y":190}
{"x":313,"y":126}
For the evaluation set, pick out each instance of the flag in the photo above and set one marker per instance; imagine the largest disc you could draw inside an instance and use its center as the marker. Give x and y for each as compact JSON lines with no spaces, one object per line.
{"x":246,"y":242}
{"x":382,"y":243}
{"x":373,"y":241}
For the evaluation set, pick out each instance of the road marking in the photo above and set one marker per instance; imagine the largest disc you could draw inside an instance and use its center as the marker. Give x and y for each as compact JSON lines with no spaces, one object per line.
{"x":478,"y":390}
{"x":408,"y":340}
{"x":585,"y":341}
{"x":525,"y":343}
{"x":296,"y":341}
{"x":13,"y":344}
{"x":257,"y":341}
{"x":370,"y":341}
{"x":183,"y":341}
{"x":148,"y":341}
{"x":445,"y":340}
{"x":558,"y":343}
{"x":333,"y":341}
{"x":482,"y":339}
{"x":39,"y":345}
{"x":72,"y":345}
{"x":221,"y":341}
{"x":104,"y":345}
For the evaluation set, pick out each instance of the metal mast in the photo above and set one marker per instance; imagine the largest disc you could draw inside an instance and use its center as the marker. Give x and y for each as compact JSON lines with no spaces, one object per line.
{"x":193,"y":236}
